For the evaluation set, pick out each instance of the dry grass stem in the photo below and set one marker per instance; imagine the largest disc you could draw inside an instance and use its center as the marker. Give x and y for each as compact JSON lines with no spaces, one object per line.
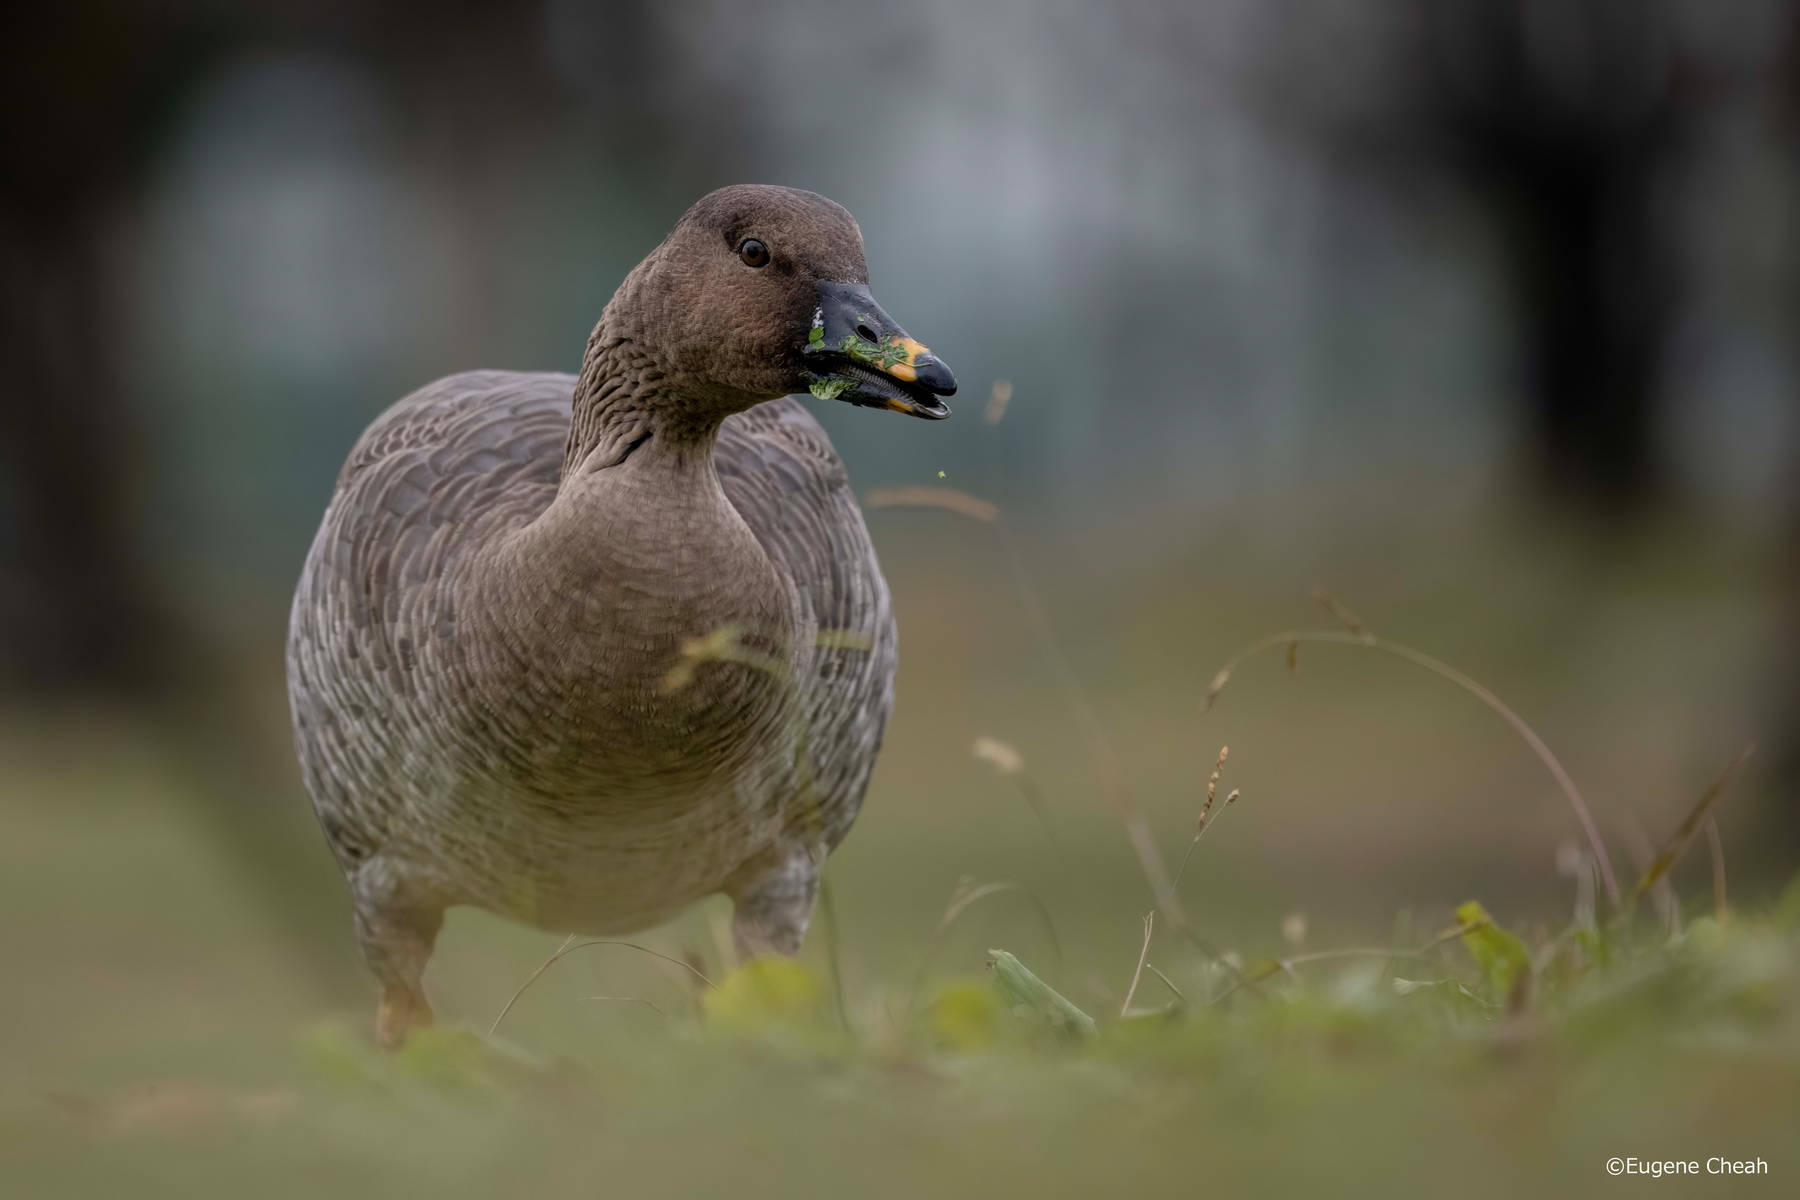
{"x":1010,"y":764}
{"x":1312,"y":956}
{"x":1285,"y":966}
{"x":1575,"y":863}
{"x":1100,"y":748}
{"x":721,"y":645}
{"x":726,"y":645}
{"x":934,"y":497}
{"x":1643,"y":856}
{"x":1212,"y":787}
{"x":844,"y":639}
{"x":1143,"y":957}
{"x":569,"y":946}
{"x":1446,"y":671}
{"x":631,"y":1000}
{"x":1720,"y":908}
{"x":1040,"y":808}
{"x":1678,"y":843}
{"x":1199,"y":832}
{"x":1002,"y":757}
{"x":1167,"y":982}
{"x":724,"y":945}
{"x":1343,"y":615}
{"x":965,"y":894}
{"x":833,"y":950}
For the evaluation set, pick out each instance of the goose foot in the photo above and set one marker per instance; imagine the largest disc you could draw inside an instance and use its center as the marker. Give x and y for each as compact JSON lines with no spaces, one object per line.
{"x":399,"y":1012}
{"x":397,"y":930}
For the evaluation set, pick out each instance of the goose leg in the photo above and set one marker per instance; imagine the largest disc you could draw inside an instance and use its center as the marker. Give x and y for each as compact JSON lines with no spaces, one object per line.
{"x":397,"y":937}
{"x":773,"y":903}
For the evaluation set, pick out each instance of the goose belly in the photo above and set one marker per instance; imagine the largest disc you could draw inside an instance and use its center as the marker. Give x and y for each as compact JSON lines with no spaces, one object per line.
{"x":585,"y":857}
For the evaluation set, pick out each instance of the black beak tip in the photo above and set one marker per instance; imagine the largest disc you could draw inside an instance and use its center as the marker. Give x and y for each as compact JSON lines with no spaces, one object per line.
{"x":934,"y":376}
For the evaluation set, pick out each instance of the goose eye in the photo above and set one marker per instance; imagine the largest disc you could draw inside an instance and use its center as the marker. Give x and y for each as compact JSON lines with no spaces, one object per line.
{"x":754,"y":253}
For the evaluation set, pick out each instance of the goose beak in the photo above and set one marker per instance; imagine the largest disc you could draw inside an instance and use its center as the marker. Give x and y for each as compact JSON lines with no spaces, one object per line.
{"x":856,"y":353}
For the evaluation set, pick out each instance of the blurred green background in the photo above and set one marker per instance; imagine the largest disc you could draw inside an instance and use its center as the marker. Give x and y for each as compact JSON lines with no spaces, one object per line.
{"x":1476,"y":313}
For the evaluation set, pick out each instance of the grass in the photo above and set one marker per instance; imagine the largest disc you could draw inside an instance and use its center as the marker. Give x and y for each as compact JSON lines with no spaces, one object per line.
{"x":1476,"y":1063}
{"x":158,"y":1038}
{"x":1472,"y":1061}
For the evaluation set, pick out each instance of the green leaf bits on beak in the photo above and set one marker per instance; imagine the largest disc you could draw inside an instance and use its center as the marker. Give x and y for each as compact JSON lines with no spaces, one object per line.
{"x":891,"y":351}
{"x":827,"y":389}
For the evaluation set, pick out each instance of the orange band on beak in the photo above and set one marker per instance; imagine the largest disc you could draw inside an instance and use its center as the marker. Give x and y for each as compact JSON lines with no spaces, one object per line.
{"x":905,"y":370}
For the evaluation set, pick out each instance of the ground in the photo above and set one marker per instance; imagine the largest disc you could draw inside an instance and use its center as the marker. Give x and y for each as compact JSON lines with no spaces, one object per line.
{"x":183,"y":1015}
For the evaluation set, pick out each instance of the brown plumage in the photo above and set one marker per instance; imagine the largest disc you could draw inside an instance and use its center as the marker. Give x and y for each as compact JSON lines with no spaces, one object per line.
{"x":496,"y":696}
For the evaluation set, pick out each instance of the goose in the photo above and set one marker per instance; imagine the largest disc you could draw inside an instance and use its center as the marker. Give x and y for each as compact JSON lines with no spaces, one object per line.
{"x":583,"y":650}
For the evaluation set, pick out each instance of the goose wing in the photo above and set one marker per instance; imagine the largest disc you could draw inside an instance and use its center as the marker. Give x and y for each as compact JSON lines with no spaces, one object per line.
{"x":433,"y":476}
{"x":780,"y":471}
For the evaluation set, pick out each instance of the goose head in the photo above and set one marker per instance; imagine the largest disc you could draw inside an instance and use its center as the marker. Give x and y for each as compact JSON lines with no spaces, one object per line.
{"x":761,"y":292}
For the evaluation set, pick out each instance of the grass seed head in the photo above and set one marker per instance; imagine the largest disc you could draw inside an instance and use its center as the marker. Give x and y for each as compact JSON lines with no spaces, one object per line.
{"x":1212,"y":789}
{"x":1005,"y":759}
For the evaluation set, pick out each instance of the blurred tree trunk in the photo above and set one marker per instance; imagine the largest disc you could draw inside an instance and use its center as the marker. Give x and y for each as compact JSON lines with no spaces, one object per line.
{"x":1782,"y":731}
{"x":1566,"y":116}
{"x":77,"y":608}
{"x":1783,"y":718}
